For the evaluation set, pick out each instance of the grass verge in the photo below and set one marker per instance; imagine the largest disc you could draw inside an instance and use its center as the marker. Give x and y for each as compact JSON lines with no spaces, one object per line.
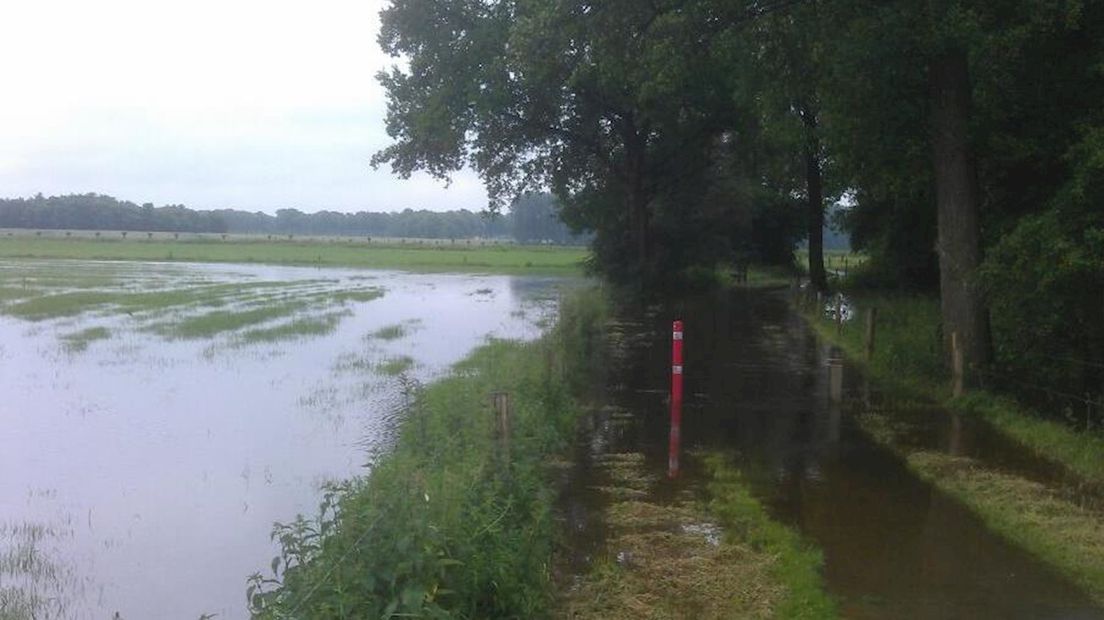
{"x":1030,"y":514}
{"x":685,"y":559}
{"x":450,"y":523}
{"x":907,"y":359}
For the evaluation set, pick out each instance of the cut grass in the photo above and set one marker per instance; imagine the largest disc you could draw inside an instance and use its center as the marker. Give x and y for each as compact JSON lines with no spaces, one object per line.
{"x":908,"y":360}
{"x":79,"y":341}
{"x":673,"y":561}
{"x":1059,"y":532}
{"x":497,"y":259}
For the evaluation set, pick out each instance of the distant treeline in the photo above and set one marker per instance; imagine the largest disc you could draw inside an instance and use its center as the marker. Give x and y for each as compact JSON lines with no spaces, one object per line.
{"x":531,"y":219}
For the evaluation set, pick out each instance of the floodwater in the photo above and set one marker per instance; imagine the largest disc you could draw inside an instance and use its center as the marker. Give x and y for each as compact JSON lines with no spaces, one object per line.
{"x":141,"y":474}
{"x":757,"y":384}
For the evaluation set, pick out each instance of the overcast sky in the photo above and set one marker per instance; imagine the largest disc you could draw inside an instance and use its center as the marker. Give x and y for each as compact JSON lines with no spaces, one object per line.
{"x":251,"y":104}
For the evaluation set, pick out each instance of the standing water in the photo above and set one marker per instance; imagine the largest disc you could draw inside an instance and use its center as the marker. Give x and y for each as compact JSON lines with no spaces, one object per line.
{"x":157,"y":419}
{"x":757,"y":386}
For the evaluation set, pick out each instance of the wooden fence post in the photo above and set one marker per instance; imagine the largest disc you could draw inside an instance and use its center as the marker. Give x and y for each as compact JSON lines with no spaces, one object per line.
{"x":500,"y":401}
{"x":871,"y":326}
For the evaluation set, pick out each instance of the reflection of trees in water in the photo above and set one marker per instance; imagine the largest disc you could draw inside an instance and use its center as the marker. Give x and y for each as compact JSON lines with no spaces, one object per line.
{"x":32,"y":583}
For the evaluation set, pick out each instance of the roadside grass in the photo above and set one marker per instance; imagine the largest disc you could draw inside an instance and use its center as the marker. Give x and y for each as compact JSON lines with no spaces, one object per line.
{"x":551,"y":260}
{"x":796,"y":564}
{"x":449,"y":523}
{"x":686,"y":559}
{"x":908,"y":359}
{"x":1059,"y":532}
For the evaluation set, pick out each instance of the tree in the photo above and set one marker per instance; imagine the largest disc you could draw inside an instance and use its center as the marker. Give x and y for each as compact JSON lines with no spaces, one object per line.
{"x":614,"y":106}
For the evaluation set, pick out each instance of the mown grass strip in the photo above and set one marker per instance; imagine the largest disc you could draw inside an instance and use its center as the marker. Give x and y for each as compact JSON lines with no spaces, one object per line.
{"x":448,"y":523}
{"x":796,"y":563}
{"x":1027,"y":513}
{"x":908,"y":360}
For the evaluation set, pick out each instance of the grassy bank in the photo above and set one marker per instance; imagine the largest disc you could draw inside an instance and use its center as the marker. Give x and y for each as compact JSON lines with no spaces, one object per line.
{"x":425,"y":256}
{"x":908,"y":359}
{"x":450,"y":522}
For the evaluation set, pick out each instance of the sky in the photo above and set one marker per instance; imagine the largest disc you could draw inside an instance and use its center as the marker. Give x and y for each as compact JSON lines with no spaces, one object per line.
{"x":248,"y":104}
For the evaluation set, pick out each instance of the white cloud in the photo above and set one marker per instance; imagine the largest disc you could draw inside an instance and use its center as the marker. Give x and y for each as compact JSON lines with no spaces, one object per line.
{"x":245,"y":103}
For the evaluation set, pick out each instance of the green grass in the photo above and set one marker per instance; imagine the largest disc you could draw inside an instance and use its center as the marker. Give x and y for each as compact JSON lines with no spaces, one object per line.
{"x":796,"y":563}
{"x":389,"y":332}
{"x":79,"y":341}
{"x":213,"y":323}
{"x":908,"y":359}
{"x":497,"y":259}
{"x":394,"y":366}
{"x":1059,"y":532}
{"x":449,"y":523}
{"x":303,"y":327}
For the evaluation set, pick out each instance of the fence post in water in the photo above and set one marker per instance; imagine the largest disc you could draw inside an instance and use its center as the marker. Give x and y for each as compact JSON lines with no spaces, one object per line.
{"x":839,"y":314}
{"x":871,"y":326}
{"x":500,"y":401}
{"x":957,"y":379}
{"x":676,"y":401}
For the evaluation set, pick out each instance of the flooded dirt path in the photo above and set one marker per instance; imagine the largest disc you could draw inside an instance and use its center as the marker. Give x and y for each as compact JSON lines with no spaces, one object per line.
{"x":757,"y":384}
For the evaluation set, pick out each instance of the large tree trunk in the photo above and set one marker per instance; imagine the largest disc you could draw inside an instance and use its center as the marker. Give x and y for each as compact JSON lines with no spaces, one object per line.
{"x":814,"y":186}
{"x":956,"y":185}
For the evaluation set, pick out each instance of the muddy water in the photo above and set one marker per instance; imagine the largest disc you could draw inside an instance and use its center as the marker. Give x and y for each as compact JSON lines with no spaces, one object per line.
{"x":758,"y":388}
{"x":142,"y":475}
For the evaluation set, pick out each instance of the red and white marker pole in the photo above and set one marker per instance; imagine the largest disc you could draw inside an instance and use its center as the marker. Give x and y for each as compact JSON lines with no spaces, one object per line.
{"x":676,"y":401}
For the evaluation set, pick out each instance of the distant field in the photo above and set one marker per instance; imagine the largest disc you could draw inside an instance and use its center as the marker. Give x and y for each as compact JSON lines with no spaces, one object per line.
{"x":475,"y":255}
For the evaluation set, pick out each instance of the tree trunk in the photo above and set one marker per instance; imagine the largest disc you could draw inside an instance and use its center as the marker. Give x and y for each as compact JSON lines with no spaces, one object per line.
{"x":814,"y":186}
{"x":956,"y":185}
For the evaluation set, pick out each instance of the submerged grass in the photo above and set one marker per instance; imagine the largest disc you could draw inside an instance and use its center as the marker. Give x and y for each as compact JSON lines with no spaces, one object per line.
{"x":389,"y":332}
{"x":302,"y":327}
{"x":394,"y":366}
{"x":212,"y":323}
{"x":79,"y":341}
{"x":449,"y":522}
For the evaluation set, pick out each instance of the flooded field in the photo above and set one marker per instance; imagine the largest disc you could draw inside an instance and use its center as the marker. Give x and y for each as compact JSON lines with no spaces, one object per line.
{"x":759,"y":391}
{"x":156,"y":419}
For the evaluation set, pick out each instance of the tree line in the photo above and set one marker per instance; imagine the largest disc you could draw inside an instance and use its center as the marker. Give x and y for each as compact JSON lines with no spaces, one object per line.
{"x":966,"y":138}
{"x":532,"y":218}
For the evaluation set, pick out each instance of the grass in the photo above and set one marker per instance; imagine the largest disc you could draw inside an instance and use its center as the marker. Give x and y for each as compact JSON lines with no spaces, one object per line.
{"x":389,"y":332}
{"x":908,"y":360}
{"x":79,"y":341}
{"x":682,"y":559}
{"x":218,"y":321}
{"x":550,"y":260}
{"x":303,"y":327}
{"x":1033,"y":516}
{"x":449,"y":523}
{"x":394,"y":366}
